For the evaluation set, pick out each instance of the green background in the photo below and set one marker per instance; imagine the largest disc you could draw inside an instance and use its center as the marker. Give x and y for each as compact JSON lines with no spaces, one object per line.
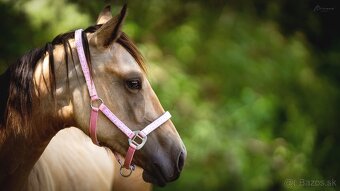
{"x":253,"y":86}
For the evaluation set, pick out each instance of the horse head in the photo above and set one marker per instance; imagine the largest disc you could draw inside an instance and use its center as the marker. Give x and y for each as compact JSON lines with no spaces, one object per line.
{"x":118,"y":72}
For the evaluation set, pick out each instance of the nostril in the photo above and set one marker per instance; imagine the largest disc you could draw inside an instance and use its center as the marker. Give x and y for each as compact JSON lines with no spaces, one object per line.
{"x":180,"y":161}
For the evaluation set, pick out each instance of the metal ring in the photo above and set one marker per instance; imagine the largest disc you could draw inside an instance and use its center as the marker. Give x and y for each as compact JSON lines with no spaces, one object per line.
{"x":100,"y":102}
{"x":129,"y":171}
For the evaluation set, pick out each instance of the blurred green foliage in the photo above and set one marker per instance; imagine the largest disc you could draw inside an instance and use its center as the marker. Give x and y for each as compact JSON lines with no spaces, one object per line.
{"x":253,"y":86}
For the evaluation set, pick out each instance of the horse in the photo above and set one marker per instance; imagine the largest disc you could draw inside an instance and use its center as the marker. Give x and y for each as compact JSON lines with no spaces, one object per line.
{"x":44,"y":94}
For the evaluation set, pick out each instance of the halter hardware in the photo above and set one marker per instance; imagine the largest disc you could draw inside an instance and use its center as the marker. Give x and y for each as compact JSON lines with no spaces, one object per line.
{"x":138,"y":140}
{"x":95,"y":103}
{"x":126,"y":172}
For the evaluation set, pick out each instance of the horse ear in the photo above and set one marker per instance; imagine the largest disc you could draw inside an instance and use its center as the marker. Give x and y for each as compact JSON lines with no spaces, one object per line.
{"x":110,"y":31}
{"x":104,"y":16}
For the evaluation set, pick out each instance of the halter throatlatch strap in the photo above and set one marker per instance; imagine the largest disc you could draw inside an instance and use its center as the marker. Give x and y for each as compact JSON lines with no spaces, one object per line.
{"x":136,"y":139}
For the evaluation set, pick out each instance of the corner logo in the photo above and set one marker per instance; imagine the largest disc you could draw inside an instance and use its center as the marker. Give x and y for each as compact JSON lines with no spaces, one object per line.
{"x":320,"y":9}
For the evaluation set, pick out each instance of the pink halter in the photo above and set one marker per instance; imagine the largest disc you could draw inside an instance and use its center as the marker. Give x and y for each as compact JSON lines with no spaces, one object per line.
{"x":136,"y":138}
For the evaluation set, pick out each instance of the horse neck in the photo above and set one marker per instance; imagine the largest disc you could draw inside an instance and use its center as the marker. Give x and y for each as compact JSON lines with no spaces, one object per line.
{"x":22,"y":142}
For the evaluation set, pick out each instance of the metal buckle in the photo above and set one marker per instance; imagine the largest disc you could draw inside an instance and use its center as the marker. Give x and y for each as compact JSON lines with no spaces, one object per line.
{"x":96,"y":102}
{"x":137,"y":140}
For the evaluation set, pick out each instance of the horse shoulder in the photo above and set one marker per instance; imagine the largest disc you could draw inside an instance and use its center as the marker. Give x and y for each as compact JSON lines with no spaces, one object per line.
{"x":72,"y":162}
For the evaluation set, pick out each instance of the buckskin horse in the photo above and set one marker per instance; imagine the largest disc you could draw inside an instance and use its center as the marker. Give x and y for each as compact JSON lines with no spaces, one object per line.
{"x":95,"y":80}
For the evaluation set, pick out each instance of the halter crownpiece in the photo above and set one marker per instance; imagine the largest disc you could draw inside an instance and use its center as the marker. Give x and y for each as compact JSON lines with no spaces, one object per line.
{"x":137,"y":138}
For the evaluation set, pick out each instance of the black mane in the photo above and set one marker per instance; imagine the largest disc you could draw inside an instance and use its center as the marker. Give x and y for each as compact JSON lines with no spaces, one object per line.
{"x":18,"y":79}
{"x":4,"y":85}
{"x":17,"y":82}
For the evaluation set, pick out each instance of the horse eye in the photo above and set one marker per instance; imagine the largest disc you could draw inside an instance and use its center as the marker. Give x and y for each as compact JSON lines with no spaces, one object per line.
{"x":134,"y":84}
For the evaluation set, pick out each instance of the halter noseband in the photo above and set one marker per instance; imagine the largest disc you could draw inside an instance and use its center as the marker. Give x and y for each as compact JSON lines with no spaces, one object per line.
{"x":136,"y":138}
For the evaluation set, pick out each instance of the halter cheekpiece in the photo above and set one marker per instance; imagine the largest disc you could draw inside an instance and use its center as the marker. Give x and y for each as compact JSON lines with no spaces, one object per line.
{"x":137,"y":138}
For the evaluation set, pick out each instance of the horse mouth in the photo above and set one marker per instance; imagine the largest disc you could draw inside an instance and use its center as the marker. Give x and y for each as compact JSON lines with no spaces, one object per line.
{"x":158,"y":179}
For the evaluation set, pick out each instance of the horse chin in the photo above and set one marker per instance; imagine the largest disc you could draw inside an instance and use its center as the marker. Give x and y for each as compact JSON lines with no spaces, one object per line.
{"x":159,"y":180}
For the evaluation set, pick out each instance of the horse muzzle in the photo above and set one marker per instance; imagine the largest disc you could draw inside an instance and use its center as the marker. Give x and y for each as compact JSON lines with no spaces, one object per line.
{"x":163,"y":169}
